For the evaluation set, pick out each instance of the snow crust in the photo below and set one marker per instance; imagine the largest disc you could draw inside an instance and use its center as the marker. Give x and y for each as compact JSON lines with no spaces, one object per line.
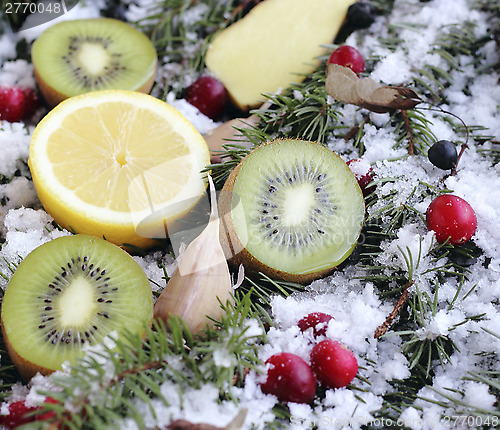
{"x":357,"y":307}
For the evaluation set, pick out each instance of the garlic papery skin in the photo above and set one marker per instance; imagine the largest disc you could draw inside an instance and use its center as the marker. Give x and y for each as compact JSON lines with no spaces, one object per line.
{"x":201,"y":281}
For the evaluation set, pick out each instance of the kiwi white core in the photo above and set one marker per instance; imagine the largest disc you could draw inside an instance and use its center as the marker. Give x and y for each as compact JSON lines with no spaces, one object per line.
{"x":94,"y":58}
{"x":297,"y":207}
{"x":77,"y":303}
{"x":70,"y":293}
{"x":297,"y":204}
{"x":77,"y":56}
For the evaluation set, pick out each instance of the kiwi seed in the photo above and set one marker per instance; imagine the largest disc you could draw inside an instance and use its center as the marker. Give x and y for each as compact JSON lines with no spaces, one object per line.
{"x":291,"y":209}
{"x":75,"y":57}
{"x":68,"y":294}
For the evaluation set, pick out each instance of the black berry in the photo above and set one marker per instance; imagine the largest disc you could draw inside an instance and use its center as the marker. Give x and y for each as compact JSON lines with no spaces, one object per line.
{"x":443,"y":154}
{"x":360,"y":15}
{"x":115,"y":10}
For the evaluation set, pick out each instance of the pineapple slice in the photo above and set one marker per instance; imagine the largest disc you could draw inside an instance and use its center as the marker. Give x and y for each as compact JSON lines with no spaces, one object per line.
{"x":273,"y":46}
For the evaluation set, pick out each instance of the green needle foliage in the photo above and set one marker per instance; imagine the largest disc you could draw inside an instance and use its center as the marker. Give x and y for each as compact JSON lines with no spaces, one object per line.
{"x":111,"y":384}
{"x":115,"y":384}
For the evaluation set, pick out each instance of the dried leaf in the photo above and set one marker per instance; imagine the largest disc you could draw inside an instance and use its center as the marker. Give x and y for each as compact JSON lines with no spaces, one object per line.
{"x":235,"y":424}
{"x":186,"y":425}
{"x":341,"y":84}
{"x":345,"y":86}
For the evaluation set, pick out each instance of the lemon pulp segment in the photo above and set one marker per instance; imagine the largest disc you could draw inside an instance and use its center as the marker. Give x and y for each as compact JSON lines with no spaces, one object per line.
{"x":117,"y":158}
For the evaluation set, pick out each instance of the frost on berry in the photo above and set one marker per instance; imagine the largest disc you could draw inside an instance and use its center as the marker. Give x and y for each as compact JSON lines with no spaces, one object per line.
{"x":334,"y":365}
{"x":289,"y":378}
{"x":318,"y":321}
{"x":452,"y":219}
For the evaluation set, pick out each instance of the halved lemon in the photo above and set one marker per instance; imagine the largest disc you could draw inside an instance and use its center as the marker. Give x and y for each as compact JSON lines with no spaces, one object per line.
{"x":118,"y":164}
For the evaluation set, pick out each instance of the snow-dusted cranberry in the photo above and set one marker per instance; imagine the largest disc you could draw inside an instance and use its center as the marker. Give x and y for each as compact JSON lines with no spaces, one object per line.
{"x":20,"y":414}
{"x":317,"y":320}
{"x":209,"y":95}
{"x":364,"y":174}
{"x":12,"y":104}
{"x":452,"y":219}
{"x":348,"y":56}
{"x":289,"y":378}
{"x":334,"y":364}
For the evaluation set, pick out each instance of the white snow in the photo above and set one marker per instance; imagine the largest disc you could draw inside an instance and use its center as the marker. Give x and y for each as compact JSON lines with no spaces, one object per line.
{"x":357,"y":306}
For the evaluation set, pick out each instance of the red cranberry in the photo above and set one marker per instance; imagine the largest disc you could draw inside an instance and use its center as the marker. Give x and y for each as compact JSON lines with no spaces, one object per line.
{"x":364,"y":174}
{"x":348,"y":56}
{"x":290,"y":379}
{"x":335,"y":366}
{"x":20,"y":414}
{"x":32,"y":102}
{"x":209,"y":95}
{"x":452,"y":219}
{"x":17,"y":104}
{"x":317,"y":320}
{"x":12,"y":104}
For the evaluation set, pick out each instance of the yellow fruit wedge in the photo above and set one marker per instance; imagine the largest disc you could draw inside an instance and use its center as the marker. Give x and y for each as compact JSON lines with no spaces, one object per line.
{"x":276,"y":44}
{"x":118,"y":164}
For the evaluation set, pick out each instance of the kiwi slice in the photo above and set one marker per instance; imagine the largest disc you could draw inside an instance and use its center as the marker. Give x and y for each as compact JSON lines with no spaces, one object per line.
{"x":78,"y":56}
{"x":291,"y":209}
{"x":68,"y":294}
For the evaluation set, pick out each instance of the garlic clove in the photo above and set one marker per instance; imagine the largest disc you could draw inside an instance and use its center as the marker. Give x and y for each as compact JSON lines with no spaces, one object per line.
{"x":201,"y":281}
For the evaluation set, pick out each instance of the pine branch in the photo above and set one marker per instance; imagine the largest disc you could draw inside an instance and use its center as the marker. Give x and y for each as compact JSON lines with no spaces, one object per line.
{"x":108,"y":385}
{"x":302,"y":111}
{"x":382,"y":329}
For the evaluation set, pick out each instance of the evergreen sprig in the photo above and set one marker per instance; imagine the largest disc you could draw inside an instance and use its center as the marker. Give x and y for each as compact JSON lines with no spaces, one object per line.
{"x":115,"y":382}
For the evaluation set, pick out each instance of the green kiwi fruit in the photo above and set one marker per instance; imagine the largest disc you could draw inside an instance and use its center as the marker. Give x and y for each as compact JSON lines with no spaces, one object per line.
{"x":291,"y":209}
{"x":77,"y":56}
{"x":68,"y":294}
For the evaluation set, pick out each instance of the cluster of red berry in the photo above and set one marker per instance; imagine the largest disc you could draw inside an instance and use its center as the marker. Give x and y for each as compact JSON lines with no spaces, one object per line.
{"x":17,"y":104}
{"x":291,"y":379}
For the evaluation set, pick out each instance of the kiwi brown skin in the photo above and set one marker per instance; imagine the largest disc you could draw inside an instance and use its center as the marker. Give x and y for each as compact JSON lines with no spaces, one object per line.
{"x":25,"y":368}
{"x":53,"y":97}
{"x":234,"y":250}
{"x":28,"y":358}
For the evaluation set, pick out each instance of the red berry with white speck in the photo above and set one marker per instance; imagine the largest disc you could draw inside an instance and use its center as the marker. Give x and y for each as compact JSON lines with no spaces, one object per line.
{"x":20,"y":414}
{"x":452,"y":219}
{"x":363,"y":173}
{"x":318,"y":321}
{"x":334,"y":364}
{"x":348,"y":56}
{"x":209,"y":95}
{"x":289,"y":378}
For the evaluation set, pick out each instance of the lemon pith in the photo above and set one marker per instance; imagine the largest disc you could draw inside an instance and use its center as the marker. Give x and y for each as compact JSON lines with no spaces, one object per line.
{"x":118,"y":164}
